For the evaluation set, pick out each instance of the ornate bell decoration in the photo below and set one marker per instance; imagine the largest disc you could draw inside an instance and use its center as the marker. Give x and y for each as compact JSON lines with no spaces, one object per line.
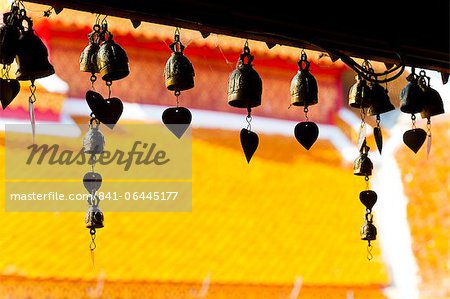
{"x":88,"y":58}
{"x":94,"y":218}
{"x":432,"y":104}
{"x":368,"y":231}
{"x":178,"y":72}
{"x":244,"y":83}
{"x":379,"y":103}
{"x":304,"y":92}
{"x":362,"y":165}
{"x":359,"y":94}
{"x":9,"y":37}
{"x":112,"y":60}
{"x":412,"y":101}
{"x":32,"y":56}
{"x":245,"y":91}
{"x":178,"y":76}
{"x":94,"y":141}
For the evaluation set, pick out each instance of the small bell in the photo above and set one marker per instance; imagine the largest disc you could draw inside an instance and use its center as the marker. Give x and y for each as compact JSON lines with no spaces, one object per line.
{"x":379,"y":102}
{"x":178,"y":72}
{"x":411,"y":96}
{"x":244,"y":83}
{"x":88,"y":58}
{"x":362,"y":165}
{"x":112,"y":60}
{"x":368,"y":232}
{"x":432,"y":101}
{"x":9,"y":39}
{"x":94,"y":141}
{"x":32,"y":56}
{"x":94,"y":217}
{"x":304,"y":86}
{"x":358,"y":96}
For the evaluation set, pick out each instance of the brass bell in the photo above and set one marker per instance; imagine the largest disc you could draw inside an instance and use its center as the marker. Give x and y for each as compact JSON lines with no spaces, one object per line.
{"x":94,"y":217}
{"x":88,"y":58}
{"x":358,"y":96}
{"x":9,"y":38}
{"x":362,"y":165}
{"x":368,"y":232}
{"x":244,"y":83}
{"x":94,"y":141}
{"x":304,"y":86}
{"x":411,"y":96}
{"x":379,"y":102}
{"x":112,"y":60}
{"x":432,"y":102}
{"x":178,"y":72}
{"x":32,"y":56}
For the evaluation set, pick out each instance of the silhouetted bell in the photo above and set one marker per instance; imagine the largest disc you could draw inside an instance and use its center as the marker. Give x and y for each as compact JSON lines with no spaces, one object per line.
{"x":412,"y":96}
{"x":88,"y":58}
{"x":432,"y":103}
{"x":179,"y":72}
{"x":94,"y":141}
{"x":368,"y":231}
{"x":362,"y":165}
{"x":304,"y":86}
{"x":379,"y":100}
{"x":94,"y":217}
{"x":112,"y":60}
{"x":32,"y":56}
{"x":358,"y":96}
{"x":9,"y":39}
{"x":244,"y":84}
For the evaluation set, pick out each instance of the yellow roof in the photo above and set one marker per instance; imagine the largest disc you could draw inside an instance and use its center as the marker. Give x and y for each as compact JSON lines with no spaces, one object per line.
{"x":289,"y":213}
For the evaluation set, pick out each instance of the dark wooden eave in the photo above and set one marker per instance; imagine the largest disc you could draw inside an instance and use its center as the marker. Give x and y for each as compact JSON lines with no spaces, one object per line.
{"x":376,"y":30}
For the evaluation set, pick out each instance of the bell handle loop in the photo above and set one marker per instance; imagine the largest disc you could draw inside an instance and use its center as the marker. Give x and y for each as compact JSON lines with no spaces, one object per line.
{"x":177,"y":47}
{"x":369,"y":216}
{"x":248,"y":56}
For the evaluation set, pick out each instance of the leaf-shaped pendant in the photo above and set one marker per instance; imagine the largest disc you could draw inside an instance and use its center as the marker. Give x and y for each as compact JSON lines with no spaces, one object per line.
{"x":32,"y":119}
{"x":378,"y":138}
{"x":249,"y":142}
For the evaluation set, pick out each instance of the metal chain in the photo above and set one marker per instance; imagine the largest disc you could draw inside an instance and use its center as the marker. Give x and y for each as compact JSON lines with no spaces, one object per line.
{"x":413,"y":119}
{"x":306,"y":112}
{"x":32,"y":98}
{"x":248,"y":118}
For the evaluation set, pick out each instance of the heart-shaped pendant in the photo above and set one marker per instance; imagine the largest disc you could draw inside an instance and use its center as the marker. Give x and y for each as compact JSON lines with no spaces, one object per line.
{"x":306,"y":133}
{"x":249,"y":142}
{"x":414,"y":139}
{"x":378,"y":138}
{"x":106,"y":111}
{"x":92,"y":181}
{"x":9,"y":89}
{"x":368,"y":198}
{"x":177,"y":120}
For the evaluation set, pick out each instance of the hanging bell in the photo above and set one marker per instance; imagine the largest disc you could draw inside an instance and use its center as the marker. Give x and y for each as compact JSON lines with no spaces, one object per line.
{"x":411,"y":96}
{"x":358,"y":96}
{"x":88,"y":58}
{"x":244,"y":83}
{"x":379,"y":102}
{"x":32,"y":56}
{"x":94,"y":141}
{"x":432,"y":101}
{"x":112,"y":60}
{"x":178,"y":72}
{"x":94,"y":217}
{"x":304,"y":86}
{"x":368,"y":231}
{"x":362,"y":165}
{"x":9,"y":38}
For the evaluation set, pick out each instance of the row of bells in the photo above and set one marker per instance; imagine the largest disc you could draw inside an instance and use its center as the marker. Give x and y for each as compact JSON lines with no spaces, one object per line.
{"x":106,"y":58}
{"x":24,"y":46}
